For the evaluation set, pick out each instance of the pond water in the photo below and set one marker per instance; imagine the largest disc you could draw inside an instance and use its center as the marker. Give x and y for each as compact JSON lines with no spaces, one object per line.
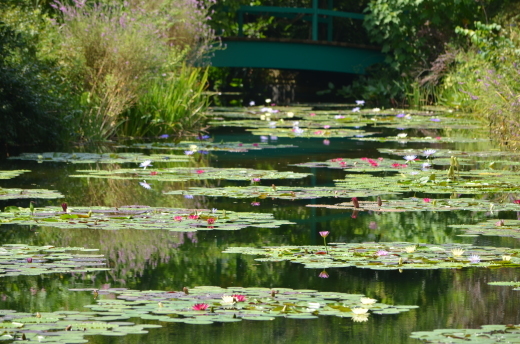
{"x":169,"y":260}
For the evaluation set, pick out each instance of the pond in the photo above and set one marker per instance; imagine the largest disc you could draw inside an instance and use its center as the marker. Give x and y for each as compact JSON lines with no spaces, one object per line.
{"x":328,"y":224}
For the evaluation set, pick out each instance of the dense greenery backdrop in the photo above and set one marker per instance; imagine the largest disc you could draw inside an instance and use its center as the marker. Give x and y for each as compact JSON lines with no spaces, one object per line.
{"x":91,"y":70}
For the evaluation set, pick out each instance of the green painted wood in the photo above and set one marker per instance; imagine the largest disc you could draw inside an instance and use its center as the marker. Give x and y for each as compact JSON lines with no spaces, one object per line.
{"x":287,"y":54}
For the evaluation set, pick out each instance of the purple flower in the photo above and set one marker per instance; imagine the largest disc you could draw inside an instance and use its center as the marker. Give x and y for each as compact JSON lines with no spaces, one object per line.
{"x":255,"y":204}
{"x":323,"y":274}
{"x":188,"y":152}
{"x":435,"y":119}
{"x":164,"y":136}
{"x":382,"y":253}
{"x":324,"y":234}
{"x":400,"y":115}
{"x":188,"y":196}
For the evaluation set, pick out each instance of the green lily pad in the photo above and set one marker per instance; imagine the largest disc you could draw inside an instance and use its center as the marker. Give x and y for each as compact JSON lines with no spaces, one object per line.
{"x":208,"y":304}
{"x":424,"y":204}
{"x":237,"y":147}
{"x":186,"y":173}
{"x":28,"y":193}
{"x":309,"y":133}
{"x":106,"y":158}
{"x":140,"y":217}
{"x":281,"y":192}
{"x":488,"y":334}
{"x":11,"y":174}
{"x":385,"y":256}
{"x":19,"y":259}
{"x":506,"y":228}
{"x":59,"y":327}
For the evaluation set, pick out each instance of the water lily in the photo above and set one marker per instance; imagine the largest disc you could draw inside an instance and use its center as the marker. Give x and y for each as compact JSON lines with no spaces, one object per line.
{"x":228,"y":300}
{"x":326,"y":142}
{"x":429,"y":152}
{"x":402,"y":135}
{"x":214,"y":210}
{"x":339,"y":116}
{"x":297,"y":130}
{"x":367,"y":301}
{"x":355,"y":202}
{"x":324,"y":235}
{"x":211,"y":220}
{"x":29,"y":260}
{"x":506,"y":258}
{"x":410,"y":157}
{"x":500,"y":223}
{"x":474,"y":259}
{"x":382,"y":253}
{"x":457,"y":252}
{"x":145,"y":164}
{"x":177,"y":218}
{"x":255,"y":204}
{"x":252,"y":103}
{"x":400,"y":115}
{"x":200,"y":306}
{"x":154,"y":173}
{"x":193,"y":217}
{"x":323,"y":274}
{"x":356,"y":109}
{"x":359,"y":310}
{"x":188,"y":152}
{"x":435,"y":119}
{"x":64,"y":207}
{"x":314,"y":305}
{"x":290,"y":114}
{"x":199,"y":171}
{"x":426,"y":200}
{"x":312,"y":114}
{"x":188,"y":196}
{"x":239,"y":297}
{"x":516,"y":201}
{"x":410,"y":249}
{"x":360,"y":102}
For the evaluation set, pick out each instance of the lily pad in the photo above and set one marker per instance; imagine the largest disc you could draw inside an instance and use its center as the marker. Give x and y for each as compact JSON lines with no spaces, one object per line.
{"x":106,"y":158}
{"x":424,"y":204}
{"x":19,"y":259}
{"x":208,"y":304}
{"x":496,"y":227}
{"x":279,"y":192}
{"x":187,"y":173}
{"x":487,"y":334}
{"x":11,"y":174}
{"x":140,"y":217}
{"x":28,"y":193}
{"x":61,"y":327}
{"x":309,"y":133}
{"x":237,"y":147}
{"x":385,"y":256}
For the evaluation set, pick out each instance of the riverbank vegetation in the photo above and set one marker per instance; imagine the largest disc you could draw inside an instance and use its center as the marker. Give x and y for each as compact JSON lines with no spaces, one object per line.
{"x":94,"y":70}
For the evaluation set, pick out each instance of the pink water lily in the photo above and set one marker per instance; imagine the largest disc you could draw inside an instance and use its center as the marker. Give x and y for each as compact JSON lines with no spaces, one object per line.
{"x":239,"y":297}
{"x":211,"y":220}
{"x":178,"y":218}
{"x":323,"y":274}
{"x":200,"y":306}
{"x":324,"y":234}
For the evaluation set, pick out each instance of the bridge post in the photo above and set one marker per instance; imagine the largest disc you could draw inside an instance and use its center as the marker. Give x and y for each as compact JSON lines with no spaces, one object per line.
{"x":314,"y":20}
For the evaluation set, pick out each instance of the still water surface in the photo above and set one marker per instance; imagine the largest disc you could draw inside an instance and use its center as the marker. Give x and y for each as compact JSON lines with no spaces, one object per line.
{"x":157,"y":260}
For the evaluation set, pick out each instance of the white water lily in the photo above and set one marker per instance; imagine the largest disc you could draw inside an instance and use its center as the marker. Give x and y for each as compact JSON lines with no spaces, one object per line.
{"x":506,"y":258}
{"x":194,"y":147}
{"x":290,"y":114}
{"x":368,"y":301}
{"x":145,"y":164}
{"x":402,"y":135}
{"x":410,"y":157}
{"x":457,"y":252}
{"x":410,"y":249}
{"x":227,"y":299}
{"x":359,"y":310}
{"x":314,"y":305}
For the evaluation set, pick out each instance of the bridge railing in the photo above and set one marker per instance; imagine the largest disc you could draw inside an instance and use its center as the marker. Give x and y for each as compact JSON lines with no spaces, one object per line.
{"x":315,"y":15}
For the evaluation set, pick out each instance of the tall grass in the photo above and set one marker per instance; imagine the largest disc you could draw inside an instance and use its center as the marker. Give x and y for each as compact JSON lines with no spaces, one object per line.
{"x":114,"y":51}
{"x":171,"y":104}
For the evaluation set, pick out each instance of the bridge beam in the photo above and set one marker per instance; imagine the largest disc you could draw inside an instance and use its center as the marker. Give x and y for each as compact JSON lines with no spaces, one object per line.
{"x":286,"y":54}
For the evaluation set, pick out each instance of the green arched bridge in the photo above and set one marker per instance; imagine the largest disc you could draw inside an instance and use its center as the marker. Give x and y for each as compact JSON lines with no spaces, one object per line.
{"x":313,"y":54}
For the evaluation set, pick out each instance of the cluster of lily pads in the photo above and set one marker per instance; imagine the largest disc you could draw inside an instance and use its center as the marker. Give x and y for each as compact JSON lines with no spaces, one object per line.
{"x":138,"y":217}
{"x":19,"y":259}
{"x":387,"y":256}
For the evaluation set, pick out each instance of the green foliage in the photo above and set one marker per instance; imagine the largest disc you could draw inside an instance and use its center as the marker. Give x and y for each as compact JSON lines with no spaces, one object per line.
{"x":33,"y":98}
{"x":170,"y":103}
